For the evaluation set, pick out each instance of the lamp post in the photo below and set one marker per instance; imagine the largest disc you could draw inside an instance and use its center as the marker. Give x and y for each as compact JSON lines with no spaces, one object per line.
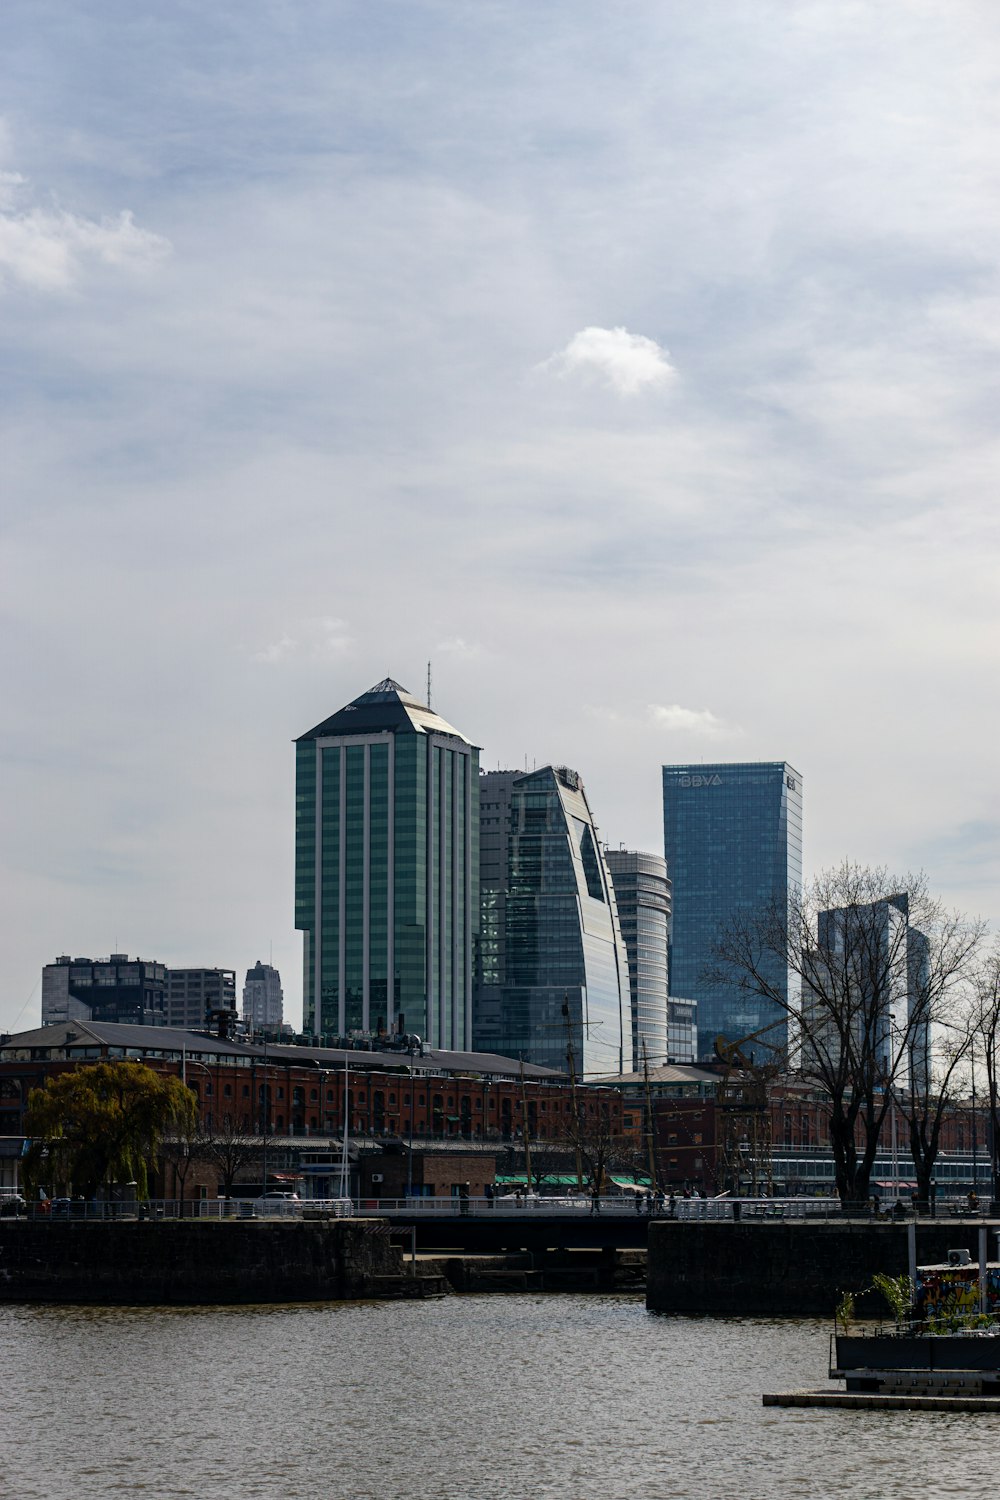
{"x":409,"y":1163}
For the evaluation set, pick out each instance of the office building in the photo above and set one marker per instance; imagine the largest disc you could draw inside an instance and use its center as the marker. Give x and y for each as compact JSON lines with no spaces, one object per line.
{"x":386,"y":853}
{"x":549,"y":932}
{"x":682,"y":1030}
{"x":869,"y":977}
{"x":196,"y":996}
{"x":263,"y":1001}
{"x":115,"y":989}
{"x":733,"y":844}
{"x":642,"y":896}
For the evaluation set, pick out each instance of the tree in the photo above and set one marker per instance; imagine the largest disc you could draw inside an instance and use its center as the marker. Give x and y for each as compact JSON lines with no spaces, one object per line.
{"x":591,"y":1137}
{"x":986,"y":1033}
{"x":229,"y":1149}
{"x":864,"y":967}
{"x":182,"y":1147}
{"x":933,"y":1092}
{"x":102,"y":1124}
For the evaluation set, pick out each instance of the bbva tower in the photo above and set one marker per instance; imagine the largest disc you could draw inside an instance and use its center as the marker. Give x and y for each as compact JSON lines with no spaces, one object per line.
{"x":386,"y":860}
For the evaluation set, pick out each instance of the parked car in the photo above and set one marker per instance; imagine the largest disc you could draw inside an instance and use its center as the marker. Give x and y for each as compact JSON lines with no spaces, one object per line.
{"x":12,"y":1205}
{"x":277,"y":1204}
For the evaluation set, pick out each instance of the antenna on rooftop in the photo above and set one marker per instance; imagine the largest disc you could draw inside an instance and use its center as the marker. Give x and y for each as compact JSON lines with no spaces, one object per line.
{"x":428,"y":684}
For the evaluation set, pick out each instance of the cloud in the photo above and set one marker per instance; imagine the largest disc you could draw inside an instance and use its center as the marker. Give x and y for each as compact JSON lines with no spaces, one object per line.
{"x":627,"y":362}
{"x":456,"y":645}
{"x":319,"y":639}
{"x":691,"y":721}
{"x":48,"y":248}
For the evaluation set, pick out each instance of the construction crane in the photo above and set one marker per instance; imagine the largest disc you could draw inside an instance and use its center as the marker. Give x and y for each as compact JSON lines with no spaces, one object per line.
{"x":743,"y":1107}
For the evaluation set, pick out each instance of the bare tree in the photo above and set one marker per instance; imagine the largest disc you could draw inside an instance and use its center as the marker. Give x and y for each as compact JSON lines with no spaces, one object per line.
{"x":591,"y":1135}
{"x":181,"y":1149}
{"x":229,"y":1149}
{"x":932,"y":1096}
{"x":986,"y":1033}
{"x":865,"y":967}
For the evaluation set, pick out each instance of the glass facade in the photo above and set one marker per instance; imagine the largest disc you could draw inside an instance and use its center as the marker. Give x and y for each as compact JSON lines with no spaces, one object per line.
{"x":549,"y":928}
{"x":386,"y":824}
{"x":733,"y":842}
{"x":642,"y":894}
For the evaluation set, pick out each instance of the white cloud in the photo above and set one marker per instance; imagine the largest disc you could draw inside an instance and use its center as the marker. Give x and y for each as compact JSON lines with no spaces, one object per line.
{"x":319,"y":639}
{"x":627,"y":362}
{"x":48,"y":248}
{"x":456,"y":645}
{"x":691,"y":721}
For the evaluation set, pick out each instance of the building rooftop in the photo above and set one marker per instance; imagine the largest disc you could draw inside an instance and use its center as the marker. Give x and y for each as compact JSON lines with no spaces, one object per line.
{"x":73,"y":1038}
{"x":385,"y":708}
{"x":665,"y":1075}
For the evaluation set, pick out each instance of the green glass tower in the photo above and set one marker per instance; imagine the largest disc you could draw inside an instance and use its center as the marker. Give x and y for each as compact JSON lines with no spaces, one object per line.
{"x":386,"y":854}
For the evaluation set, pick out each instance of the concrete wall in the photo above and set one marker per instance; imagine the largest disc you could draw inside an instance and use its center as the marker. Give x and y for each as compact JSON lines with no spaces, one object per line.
{"x":778,"y":1268}
{"x":192,"y":1261}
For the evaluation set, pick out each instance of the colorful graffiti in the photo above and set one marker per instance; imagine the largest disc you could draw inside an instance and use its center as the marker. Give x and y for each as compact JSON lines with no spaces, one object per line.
{"x":953,"y":1292}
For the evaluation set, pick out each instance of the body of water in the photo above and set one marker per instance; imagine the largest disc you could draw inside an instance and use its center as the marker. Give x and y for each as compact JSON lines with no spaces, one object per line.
{"x":562,"y":1397}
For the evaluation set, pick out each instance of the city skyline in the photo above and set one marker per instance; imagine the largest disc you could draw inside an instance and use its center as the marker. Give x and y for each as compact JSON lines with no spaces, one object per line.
{"x":640,"y":378}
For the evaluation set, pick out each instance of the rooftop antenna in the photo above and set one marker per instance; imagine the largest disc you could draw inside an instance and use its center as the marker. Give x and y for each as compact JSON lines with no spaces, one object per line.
{"x":428,"y":684}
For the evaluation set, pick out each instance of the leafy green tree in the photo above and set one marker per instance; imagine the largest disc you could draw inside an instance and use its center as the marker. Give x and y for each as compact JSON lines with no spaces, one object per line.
{"x":102,"y":1124}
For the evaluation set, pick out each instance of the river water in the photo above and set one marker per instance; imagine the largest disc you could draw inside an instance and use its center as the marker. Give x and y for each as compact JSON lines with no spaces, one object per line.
{"x":501,"y":1396}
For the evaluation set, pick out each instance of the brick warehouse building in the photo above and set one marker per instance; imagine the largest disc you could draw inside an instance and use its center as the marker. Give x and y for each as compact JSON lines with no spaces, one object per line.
{"x":695,"y":1135}
{"x":295,"y":1094}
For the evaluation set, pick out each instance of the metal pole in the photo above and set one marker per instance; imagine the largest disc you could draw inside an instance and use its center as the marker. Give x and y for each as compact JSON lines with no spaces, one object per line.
{"x":653,"y":1182}
{"x":572,"y":1084}
{"x":975,"y":1162}
{"x":345,"y":1180}
{"x":911,"y":1250}
{"x":982,"y":1268}
{"x":409,"y":1164}
{"x":525,"y":1132}
{"x":267,"y":1114}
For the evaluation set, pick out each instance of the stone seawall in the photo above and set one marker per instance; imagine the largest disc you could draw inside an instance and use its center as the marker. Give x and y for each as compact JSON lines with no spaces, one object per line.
{"x":787,"y":1269}
{"x":194,"y":1261}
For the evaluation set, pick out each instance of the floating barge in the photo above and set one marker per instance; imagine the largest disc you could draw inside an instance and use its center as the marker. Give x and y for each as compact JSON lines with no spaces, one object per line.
{"x":947,"y":1358}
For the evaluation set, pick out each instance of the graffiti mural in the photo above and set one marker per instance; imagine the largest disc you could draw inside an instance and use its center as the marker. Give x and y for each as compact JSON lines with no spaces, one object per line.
{"x":953,"y":1292}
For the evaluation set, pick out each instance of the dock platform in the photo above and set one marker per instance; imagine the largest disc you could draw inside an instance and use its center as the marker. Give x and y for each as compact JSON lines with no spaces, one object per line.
{"x":871,"y":1400}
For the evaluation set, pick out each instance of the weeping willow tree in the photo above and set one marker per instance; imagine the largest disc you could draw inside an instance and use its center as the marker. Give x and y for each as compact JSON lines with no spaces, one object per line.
{"x":102,"y":1124}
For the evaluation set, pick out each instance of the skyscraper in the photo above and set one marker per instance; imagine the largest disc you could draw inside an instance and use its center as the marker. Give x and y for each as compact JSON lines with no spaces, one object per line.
{"x":733,"y":842}
{"x":263,"y":1000}
{"x":386,"y":850}
{"x":642,"y":895}
{"x":549,"y":933}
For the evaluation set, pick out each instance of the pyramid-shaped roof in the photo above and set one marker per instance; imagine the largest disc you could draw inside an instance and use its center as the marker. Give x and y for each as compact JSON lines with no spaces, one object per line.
{"x":385,"y":708}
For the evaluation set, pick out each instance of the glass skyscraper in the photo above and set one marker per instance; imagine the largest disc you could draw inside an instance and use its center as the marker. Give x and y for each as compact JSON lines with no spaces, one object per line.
{"x":642,"y":895}
{"x":386,"y":853}
{"x":549,"y":934}
{"x":732,"y":837}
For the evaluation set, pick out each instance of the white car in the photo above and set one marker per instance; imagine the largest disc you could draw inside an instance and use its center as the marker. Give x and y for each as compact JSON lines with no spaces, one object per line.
{"x":277,"y":1205}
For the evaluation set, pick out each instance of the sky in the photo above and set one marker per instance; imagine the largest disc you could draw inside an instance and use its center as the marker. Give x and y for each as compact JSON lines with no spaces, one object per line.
{"x":636,"y":365}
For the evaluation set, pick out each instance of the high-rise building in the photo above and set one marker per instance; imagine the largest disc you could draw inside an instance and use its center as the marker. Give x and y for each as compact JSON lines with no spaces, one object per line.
{"x":642,"y":895}
{"x":733,"y":843}
{"x":263,"y":1000}
{"x":195,"y":996}
{"x":549,"y":933}
{"x":869,"y":978}
{"x":119,"y":988}
{"x":386,"y":853}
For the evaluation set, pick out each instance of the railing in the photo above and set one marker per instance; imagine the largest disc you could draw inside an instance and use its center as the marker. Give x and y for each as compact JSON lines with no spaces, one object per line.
{"x":64,"y":1211}
{"x":630,"y":1205}
{"x":754,"y":1208}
